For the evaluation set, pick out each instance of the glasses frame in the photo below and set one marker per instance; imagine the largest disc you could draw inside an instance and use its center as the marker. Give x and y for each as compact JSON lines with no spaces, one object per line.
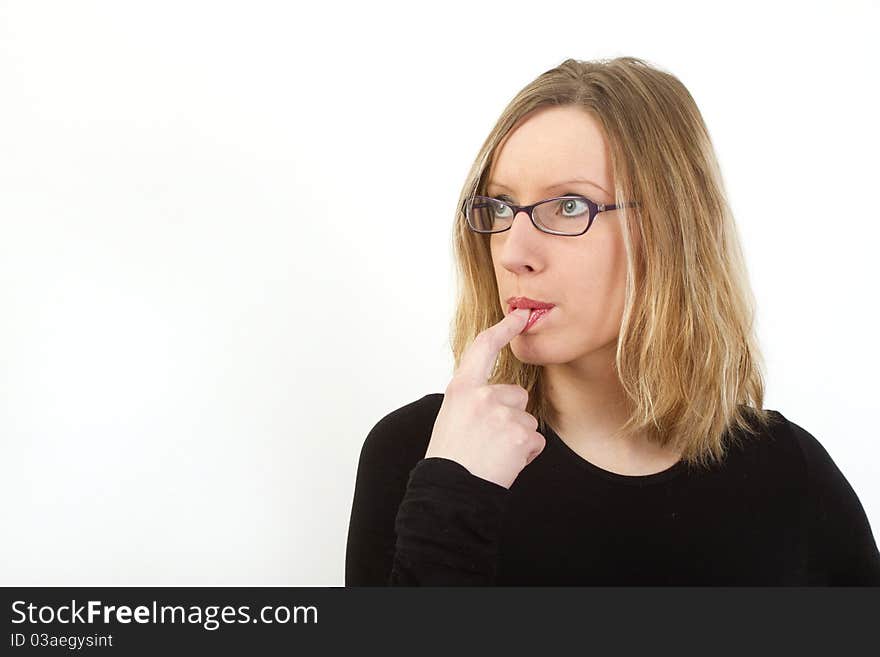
{"x":595,"y":209}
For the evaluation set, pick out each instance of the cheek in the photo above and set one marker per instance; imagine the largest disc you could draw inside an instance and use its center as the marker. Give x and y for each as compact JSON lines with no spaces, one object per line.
{"x":608,"y":264}
{"x":598,"y":294}
{"x":493,"y":256}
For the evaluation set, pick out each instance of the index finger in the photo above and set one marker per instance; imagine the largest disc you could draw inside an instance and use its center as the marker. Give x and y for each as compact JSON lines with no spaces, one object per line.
{"x":479,"y":358}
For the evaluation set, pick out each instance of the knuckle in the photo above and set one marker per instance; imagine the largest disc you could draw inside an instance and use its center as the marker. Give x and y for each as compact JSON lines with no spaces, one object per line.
{"x":484,"y":394}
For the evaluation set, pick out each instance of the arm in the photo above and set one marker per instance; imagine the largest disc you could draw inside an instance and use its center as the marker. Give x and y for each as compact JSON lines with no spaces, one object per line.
{"x":842,"y":544}
{"x":379,"y":487}
{"x":447,"y":518}
{"x":447,"y":527}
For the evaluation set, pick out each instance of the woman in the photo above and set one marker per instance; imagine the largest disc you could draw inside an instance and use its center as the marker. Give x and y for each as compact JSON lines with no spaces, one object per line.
{"x":617,"y":435}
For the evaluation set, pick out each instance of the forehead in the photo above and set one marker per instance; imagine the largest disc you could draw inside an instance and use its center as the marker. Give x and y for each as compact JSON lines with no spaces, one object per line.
{"x":549,"y":145}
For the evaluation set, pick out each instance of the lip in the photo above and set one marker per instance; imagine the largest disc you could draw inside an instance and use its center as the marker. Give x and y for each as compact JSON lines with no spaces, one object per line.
{"x":534,"y":317}
{"x":525,"y":302}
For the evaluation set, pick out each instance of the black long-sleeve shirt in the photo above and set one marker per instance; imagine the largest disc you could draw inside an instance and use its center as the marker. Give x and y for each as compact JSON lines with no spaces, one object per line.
{"x":777,"y":511}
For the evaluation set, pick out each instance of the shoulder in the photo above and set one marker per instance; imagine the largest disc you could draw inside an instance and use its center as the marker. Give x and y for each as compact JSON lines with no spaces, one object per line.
{"x":787,"y":461}
{"x":785,"y":441}
{"x":842,"y":542}
{"x":781,"y":456}
{"x":825,"y":483}
{"x":770,"y":452}
{"x":817,"y":462}
{"x":401,"y":436}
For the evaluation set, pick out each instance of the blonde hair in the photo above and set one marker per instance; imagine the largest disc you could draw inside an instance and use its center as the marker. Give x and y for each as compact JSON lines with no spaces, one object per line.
{"x":686,"y":356}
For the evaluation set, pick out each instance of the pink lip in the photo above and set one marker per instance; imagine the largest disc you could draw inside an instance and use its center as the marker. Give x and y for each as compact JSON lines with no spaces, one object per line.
{"x":525,"y":302}
{"x":536,"y":316}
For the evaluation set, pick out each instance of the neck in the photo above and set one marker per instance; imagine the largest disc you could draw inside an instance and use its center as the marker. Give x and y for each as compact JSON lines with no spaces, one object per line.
{"x":587,"y":395}
{"x":591,"y":406}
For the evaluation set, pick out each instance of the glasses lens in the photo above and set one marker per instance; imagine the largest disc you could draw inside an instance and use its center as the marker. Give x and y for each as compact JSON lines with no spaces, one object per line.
{"x":488,"y":214}
{"x":565,"y":215}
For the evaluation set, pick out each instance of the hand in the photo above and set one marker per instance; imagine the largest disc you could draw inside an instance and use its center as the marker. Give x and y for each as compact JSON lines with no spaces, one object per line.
{"x":485,"y":427}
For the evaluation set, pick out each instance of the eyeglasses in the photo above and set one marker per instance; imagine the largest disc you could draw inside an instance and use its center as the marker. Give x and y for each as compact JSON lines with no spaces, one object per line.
{"x":570,"y":215}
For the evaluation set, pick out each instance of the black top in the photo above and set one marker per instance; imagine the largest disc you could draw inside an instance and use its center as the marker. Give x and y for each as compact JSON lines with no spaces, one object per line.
{"x":778,"y":511}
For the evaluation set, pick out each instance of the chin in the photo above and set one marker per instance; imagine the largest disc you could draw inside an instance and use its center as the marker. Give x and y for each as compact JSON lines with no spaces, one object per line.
{"x":536,"y":355}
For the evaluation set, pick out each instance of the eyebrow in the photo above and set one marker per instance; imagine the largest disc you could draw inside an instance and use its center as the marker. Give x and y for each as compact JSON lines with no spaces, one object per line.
{"x":552,"y":187}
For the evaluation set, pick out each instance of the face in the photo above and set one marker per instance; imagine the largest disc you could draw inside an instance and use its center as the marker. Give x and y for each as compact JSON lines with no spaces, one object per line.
{"x":583,"y":276}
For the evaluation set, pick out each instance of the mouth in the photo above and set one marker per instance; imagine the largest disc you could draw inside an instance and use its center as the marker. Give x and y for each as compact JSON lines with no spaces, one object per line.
{"x":513,"y":303}
{"x":537,"y":309}
{"x":535,"y":315}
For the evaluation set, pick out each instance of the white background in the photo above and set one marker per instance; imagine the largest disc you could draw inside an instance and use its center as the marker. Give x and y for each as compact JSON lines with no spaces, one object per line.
{"x":206,"y":304}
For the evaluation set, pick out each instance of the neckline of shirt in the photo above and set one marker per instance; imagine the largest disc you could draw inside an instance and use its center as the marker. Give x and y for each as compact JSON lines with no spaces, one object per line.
{"x":615,"y":477}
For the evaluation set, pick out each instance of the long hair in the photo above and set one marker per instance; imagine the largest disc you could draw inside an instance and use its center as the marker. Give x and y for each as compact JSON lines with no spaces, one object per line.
{"x":686,"y":357}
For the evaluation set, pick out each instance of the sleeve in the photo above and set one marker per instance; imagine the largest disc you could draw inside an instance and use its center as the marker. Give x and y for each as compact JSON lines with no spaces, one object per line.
{"x":448,"y":527}
{"x":379,"y":486}
{"x":429,"y":523}
{"x":843,"y":551}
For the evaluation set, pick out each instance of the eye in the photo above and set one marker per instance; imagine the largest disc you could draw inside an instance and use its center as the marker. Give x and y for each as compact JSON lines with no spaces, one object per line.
{"x":570,"y":205}
{"x":500,"y":209}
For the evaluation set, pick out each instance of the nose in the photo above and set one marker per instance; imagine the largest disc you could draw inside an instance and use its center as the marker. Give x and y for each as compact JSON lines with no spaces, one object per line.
{"x":526,"y":220}
{"x":518,"y":248}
